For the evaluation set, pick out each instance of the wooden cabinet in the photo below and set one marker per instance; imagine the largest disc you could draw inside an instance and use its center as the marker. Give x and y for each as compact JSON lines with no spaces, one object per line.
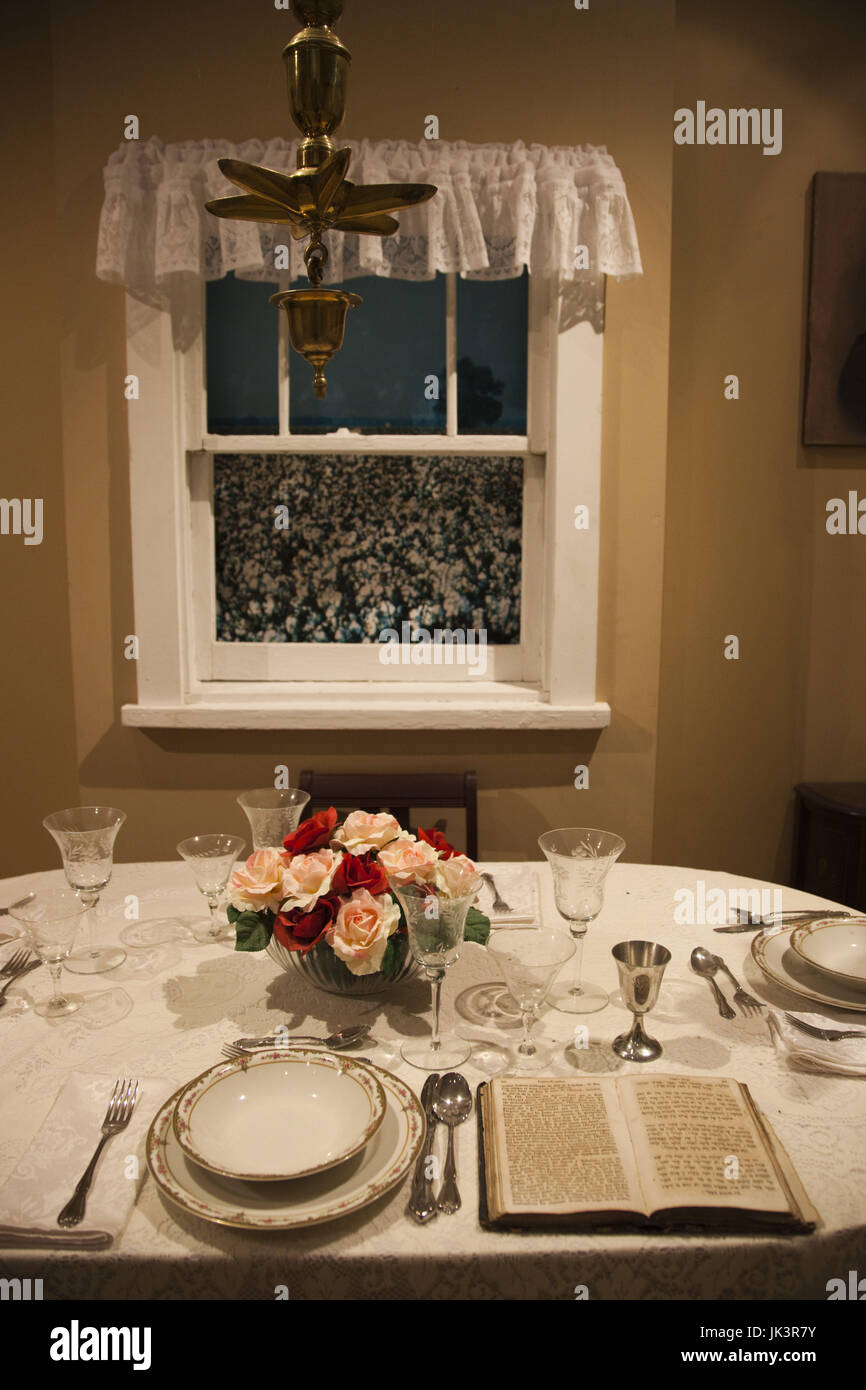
{"x":830,"y":841}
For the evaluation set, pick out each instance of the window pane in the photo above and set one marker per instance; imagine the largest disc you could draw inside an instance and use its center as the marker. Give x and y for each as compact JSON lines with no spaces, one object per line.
{"x":242,"y":341}
{"x":371,"y":542}
{"x":394,"y":341}
{"x":492,"y":334}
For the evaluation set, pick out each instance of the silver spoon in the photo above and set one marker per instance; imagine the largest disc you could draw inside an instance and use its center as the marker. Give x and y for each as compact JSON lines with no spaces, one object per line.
{"x":345,"y":1037}
{"x":703,"y":964}
{"x":453,"y":1105}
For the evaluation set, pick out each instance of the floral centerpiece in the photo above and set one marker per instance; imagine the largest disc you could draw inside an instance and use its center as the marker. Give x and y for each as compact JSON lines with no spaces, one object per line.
{"x":322,"y":903}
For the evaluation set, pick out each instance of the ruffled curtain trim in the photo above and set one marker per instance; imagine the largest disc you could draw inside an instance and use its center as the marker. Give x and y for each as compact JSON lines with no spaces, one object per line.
{"x":500,"y":208}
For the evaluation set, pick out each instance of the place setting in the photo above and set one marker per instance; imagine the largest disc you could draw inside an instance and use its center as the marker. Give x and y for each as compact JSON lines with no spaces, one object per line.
{"x":821,"y":961}
{"x":284,"y":1138}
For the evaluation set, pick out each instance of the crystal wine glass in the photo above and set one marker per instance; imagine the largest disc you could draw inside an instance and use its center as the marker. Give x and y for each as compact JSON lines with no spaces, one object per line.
{"x":435,"y":924}
{"x":212,"y":858}
{"x":50,"y":920}
{"x":85,"y":836}
{"x":530,"y":962}
{"x":580,"y":860}
{"x":273,"y":813}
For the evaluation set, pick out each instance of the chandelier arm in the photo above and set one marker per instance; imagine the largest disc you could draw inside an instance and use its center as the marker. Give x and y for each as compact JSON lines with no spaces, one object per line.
{"x":250,"y":208}
{"x":375,"y":224}
{"x":386,"y":197}
{"x":265,"y":183}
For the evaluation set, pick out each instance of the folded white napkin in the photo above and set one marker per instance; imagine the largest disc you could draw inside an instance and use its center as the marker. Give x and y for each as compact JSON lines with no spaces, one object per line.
{"x":46,"y":1176}
{"x":518,"y":887}
{"x":845,"y":1057}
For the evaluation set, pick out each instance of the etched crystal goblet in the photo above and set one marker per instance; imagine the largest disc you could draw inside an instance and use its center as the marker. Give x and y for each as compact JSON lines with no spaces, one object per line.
{"x":211,"y":859}
{"x":50,"y":920}
{"x":273,"y":813}
{"x":530,"y":962}
{"x":580,"y":860}
{"x":435,"y":923}
{"x":85,"y":836}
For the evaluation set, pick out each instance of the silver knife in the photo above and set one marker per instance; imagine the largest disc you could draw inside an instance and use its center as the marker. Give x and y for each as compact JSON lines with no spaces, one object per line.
{"x":422,"y":1203}
{"x":72,"y":1240}
{"x":792,"y":915}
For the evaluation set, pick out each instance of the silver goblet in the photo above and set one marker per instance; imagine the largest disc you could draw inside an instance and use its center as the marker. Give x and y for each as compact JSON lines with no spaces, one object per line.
{"x":641,"y":965}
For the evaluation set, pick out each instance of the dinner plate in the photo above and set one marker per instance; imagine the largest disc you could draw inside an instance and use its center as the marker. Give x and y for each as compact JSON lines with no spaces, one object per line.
{"x":301,"y":1202}
{"x":775,"y":958}
{"x":278,"y":1114}
{"x":835,"y":948}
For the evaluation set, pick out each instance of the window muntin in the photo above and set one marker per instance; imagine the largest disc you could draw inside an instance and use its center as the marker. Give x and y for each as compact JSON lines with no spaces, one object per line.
{"x":391,"y":375}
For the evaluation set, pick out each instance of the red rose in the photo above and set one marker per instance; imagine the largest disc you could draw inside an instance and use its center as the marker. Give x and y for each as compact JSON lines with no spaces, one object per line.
{"x":359,"y":871}
{"x":312,"y":833}
{"x":438,"y":841}
{"x":301,"y":931}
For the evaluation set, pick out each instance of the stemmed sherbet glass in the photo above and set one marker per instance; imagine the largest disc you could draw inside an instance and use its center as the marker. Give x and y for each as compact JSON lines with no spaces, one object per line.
{"x":212,"y":858}
{"x":85,"y":836}
{"x":580,"y":860}
{"x":435,"y":924}
{"x":273,"y":813}
{"x":530,"y":962}
{"x":50,"y":920}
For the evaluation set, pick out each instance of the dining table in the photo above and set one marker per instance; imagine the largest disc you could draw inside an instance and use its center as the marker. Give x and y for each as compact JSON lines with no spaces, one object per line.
{"x":169,"y":1008}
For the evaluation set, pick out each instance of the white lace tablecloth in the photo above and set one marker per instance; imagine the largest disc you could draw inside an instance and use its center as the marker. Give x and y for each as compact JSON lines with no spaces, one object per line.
{"x":167,"y":1009}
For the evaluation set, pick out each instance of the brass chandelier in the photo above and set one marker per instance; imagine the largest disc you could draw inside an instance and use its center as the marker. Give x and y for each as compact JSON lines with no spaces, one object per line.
{"x":318,"y":197}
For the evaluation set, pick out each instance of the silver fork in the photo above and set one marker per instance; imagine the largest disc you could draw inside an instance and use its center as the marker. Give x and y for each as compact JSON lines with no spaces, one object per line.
{"x":234,"y":1053}
{"x":499,"y":904}
{"x":827,"y":1034}
{"x":16,"y":968}
{"x":16,"y":962}
{"x":747,"y":1002}
{"x":117,"y":1117}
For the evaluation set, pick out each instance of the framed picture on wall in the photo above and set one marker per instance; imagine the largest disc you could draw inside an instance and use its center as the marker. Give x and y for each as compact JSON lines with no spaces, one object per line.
{"x":835,"y":392}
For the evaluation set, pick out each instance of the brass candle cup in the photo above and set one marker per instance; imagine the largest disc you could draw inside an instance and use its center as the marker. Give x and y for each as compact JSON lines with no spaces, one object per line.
{"x":641,"y":965}
{"x":317,"y":322}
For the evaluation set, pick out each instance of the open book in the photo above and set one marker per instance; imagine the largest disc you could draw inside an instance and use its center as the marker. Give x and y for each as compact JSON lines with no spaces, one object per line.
{"x":578,"y":1152}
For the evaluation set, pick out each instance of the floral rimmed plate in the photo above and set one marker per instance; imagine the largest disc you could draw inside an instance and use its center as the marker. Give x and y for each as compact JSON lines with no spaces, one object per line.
{"x":278,"y":1114}
{"x":775,"y":958}
{"x":304,"y":1201}
{"x":837,"y":949}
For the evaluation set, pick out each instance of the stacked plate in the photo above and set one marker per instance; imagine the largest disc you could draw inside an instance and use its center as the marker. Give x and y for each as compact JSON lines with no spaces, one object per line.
{"x":284,"y":1139}
{"x":823,"y":960}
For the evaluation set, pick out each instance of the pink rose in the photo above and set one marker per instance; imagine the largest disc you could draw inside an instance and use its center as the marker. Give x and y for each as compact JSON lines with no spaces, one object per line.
{"x":308,"y":877}
{"x":457,"y":877}
{"x":361,"y":832}
{"x":259,"y":884}
{"x":409,"y":861}
{"x":360,"y":932}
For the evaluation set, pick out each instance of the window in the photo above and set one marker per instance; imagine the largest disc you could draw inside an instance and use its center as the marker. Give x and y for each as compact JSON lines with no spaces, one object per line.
{"x":279,"y":540}
{"x":331,"y":554}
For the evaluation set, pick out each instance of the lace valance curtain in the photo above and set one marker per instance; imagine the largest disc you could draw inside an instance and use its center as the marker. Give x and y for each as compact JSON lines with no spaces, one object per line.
{"x":499,"y":208}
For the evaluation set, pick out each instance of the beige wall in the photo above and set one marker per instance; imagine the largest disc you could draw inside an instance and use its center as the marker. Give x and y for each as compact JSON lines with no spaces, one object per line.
{"x":746,"y":550}
{"x":732,"y":737}
{"x":37,"y":729}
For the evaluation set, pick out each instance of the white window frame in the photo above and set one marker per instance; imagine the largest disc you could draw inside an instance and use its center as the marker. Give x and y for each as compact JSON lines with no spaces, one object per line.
{"x":553,"y":683}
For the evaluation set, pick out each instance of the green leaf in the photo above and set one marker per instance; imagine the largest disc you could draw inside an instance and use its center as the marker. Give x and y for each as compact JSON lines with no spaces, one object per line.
{"x":477,"y":927}
{"x":253,"y":930}
{"x":233,"y":913}
{"x":392,"y":955}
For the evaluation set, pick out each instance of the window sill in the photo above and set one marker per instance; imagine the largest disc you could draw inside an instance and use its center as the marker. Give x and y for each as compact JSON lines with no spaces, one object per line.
{"x":346,"y":705}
